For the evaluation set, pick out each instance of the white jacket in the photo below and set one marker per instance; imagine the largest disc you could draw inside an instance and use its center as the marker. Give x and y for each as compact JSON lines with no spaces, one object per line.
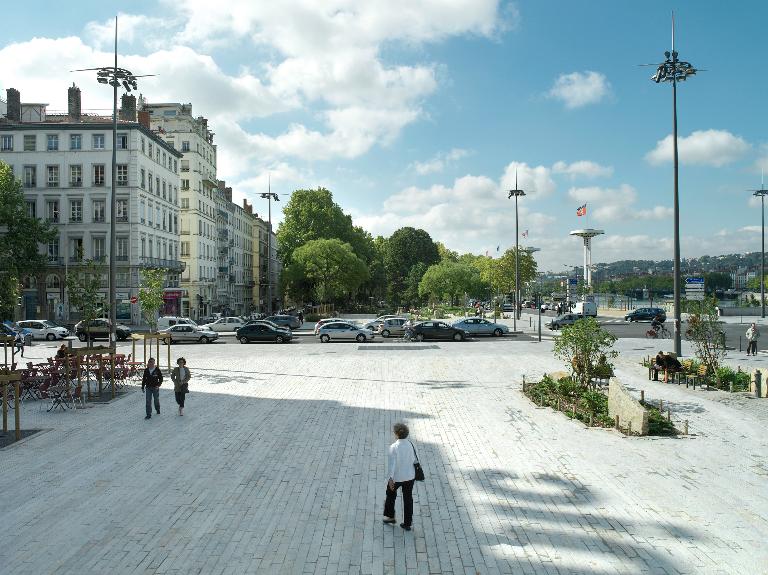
{"x":753,"y":333}
{"x":401,"y":460}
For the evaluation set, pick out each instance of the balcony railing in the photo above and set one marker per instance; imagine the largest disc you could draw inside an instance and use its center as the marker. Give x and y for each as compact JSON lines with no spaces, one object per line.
{"x":223,"y":269}
{"x":55,"y":261}
{"x":121,"y":258}
{"x":174,"y":265}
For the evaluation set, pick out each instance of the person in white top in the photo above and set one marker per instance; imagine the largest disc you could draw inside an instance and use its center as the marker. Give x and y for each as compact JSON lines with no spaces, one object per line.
{"x":402,"y":456}
{"x":180,"y":377}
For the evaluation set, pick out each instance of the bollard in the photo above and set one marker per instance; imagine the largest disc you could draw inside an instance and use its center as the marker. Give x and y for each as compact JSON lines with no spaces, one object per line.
{"x":758,"y":382}
{"x":739,"y":343}
{"x":558,"y":404}
{"x":16,"y":407}
{"x":629,"y":428}
{"x":5,"y":407}
{"x":642,"y":396}
{"x":590,"y":419}
{"x":669,"y":415}
{"x":661,"y":405}
{"x":685,"y":427}
{"x":616,"y":422}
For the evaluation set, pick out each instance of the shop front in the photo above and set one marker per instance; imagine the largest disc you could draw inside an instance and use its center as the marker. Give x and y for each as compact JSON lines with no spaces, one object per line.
{"x":172,"y":301}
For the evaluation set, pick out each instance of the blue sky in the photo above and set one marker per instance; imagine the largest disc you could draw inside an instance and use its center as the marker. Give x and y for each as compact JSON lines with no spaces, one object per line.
{"x":420,"y":113}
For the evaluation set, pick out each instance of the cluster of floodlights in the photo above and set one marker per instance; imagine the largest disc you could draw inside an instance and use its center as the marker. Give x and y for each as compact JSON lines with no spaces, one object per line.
{"x":673,"y":70}
{"x":117,"y":77}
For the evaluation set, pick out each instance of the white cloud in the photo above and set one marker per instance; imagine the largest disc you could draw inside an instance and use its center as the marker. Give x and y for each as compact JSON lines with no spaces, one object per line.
{"x":580,"y":89}
{"x":616,"y":204}
{"x":439,"y":162}
{"x":583,"y":168}
{"x":752,"y":229}
{"x":703,"y":147}
{"x":132,"y":29}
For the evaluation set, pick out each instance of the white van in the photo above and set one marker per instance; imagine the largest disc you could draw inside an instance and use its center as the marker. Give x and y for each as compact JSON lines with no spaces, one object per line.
{"x":170,"y":320}
{"x":585,"y":308}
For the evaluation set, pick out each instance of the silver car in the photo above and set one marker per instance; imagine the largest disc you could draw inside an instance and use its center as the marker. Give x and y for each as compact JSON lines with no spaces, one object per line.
{"x":480,"y":326}
{"x":375,"y":323}
{"x":43,"y":329}
{"x":185,"y":332}
{"x":344,"y":332}
{"x":393,"y":326}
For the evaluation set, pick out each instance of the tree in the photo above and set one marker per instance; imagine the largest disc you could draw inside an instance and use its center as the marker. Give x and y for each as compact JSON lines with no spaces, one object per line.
{"x":411,"y":294}
{"x":581,"y":346}
{"x":312,"y":215}
{"x":20,"y":238}
{"x":84,"y":288}
{"x":500,"y":273}
{"x":151,"y":295}
{"x":331,"y":266}
{"x":705,"y":333}
{"x":405,"y":248}
{"x":448,"y":279}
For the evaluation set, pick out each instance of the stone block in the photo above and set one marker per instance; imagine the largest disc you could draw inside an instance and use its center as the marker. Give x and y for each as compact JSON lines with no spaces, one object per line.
{"x":630,"y":411}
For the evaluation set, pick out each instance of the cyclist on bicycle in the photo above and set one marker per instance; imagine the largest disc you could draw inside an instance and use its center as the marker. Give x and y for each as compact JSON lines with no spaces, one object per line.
{"x":657,"y":323}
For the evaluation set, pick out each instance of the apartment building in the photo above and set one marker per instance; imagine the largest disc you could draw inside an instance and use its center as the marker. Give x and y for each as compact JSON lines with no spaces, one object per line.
{"x":191,"y":136}
{"x":64,"y":162}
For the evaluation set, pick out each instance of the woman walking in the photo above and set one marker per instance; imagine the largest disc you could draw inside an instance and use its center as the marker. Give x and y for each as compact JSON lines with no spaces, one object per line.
{"x":151,"y":382}
{"x":180,"y":377}
{"x":402,"y":456}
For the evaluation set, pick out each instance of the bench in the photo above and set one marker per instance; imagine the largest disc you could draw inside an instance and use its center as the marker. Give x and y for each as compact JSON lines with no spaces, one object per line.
{"x":700,"y":376}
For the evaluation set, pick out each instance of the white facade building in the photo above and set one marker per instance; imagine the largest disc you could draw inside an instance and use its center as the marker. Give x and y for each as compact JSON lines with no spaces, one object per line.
{"x":64,"y":163}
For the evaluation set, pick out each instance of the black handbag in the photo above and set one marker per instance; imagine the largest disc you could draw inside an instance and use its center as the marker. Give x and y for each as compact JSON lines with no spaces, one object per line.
{"x":417,"y":466}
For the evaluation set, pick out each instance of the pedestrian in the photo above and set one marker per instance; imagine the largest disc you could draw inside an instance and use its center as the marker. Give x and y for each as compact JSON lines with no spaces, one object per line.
{"x":752,"y":336}
{"x":180,"y":378}
{"x":402,"y":474}
{"x":19,"y":343}
{"x":63,"y":351}
{"x":301,"y":317}
{"x":151,"y":382}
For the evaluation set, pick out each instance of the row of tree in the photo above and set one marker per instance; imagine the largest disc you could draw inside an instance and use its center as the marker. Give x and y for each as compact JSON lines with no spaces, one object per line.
{"x":328,"y":259}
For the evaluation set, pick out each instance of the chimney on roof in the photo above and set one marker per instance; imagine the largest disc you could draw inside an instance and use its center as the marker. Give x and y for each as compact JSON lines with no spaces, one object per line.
{"x":128,"y":108}
{"x":73,"y":103}
{"x":247,"y":207}
{"x":144,"y":118}
{"x":14,"y":105}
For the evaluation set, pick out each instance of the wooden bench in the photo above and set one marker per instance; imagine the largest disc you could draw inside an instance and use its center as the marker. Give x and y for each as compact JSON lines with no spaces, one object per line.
{"x":700,"y":376}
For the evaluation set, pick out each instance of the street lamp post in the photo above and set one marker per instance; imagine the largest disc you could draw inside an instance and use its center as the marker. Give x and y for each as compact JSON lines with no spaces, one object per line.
{"x":762,"y":193}
{"x":516,"y":193}
{"x":269,"y":196}
{"x":674,"y":70}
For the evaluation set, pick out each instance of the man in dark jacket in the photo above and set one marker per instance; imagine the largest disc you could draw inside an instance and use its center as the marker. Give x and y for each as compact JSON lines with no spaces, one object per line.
{"x":151,"y":382}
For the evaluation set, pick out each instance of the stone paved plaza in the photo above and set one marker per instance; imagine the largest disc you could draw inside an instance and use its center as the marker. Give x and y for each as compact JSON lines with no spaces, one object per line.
{"x":278,"y":466}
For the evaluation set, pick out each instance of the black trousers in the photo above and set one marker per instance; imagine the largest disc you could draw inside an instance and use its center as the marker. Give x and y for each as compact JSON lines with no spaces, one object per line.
{"x":751,"y":347}
{"x":389,"y":503}
{"x":180,"y":397}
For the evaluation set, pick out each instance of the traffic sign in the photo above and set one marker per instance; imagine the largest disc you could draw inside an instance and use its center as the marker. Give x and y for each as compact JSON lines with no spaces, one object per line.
{"x":573,"y":281}
{"x":689,"y":281}
{"x":697,"y":296}
{"x":134,"y":299}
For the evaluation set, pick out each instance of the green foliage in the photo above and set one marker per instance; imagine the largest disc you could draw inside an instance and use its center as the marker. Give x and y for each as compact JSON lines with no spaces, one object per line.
{"x":411,"y":296}
{"x":331,"y":267}
{"x":84,"y":289}
{"x":582,"y":345}
{"x":728,"y":378}
{"x":658,"y":424}
{"x":20,"y":238}
{"x":705,"y":333}
{"x":151,"y":295}
{"x":405,"y":248}
{"x":500,"y":273}
{"x":447,"y":280}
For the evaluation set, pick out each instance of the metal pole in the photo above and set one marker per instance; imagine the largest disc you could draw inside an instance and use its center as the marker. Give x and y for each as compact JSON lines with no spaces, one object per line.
{"x":517,"y":267}
{"x":269,"y":257}
{"x":113,"y":210}
{"x":676,"y":280}
{"x":762,"y":268}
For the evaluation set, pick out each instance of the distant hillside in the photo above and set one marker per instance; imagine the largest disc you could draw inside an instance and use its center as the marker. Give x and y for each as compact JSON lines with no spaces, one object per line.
{"x":725,"y":264}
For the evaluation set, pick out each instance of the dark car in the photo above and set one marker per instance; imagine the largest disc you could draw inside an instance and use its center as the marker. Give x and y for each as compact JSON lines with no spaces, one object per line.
{"x":263,"y":332}
{"x":290,"y":321}
{"x":564,"y":320}
{"x":437,"y":330}
{"x":99,"y":329}
{"x":646,"y":314}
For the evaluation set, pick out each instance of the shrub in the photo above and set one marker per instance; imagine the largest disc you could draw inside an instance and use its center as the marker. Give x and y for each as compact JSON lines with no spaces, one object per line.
{"x":658,"y":424}
{"x":313,"y":317}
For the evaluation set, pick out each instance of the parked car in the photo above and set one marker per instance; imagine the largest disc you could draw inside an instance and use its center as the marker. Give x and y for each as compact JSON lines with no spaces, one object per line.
{"x":645,"y":314}
{"x":392,"y":326}
{"x":263,"y":331}
{"x":321,"y":322}
{"x":290,"y":321}
{"x":265,"y":322}
{"x":337,"y":330}
{"x":99,"y":329}
{"x":170,"y":320}
{"x":185,"y":332}
{"x":43,"y":329}
{"x":8,"y":331}
{"x":507,"y":306}
{"x":437,"y":330}
{"x":545,"y":307}
{"x":375,"y":323}
{"x":480,"y":326}
{"x":563,"y":320}
{"x":225,"y":324}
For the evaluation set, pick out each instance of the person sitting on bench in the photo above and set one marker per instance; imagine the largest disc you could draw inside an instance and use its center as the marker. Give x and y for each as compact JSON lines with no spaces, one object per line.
{"x":671,"y":365}
{"x":659,"y":364}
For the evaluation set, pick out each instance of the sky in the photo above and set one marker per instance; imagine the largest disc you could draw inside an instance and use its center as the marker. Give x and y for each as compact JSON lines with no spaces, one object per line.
{"x":424,"y":113}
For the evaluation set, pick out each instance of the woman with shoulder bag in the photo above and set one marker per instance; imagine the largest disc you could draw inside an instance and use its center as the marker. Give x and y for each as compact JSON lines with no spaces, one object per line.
{"x":180,"y":377}
{"x":404,"y":470}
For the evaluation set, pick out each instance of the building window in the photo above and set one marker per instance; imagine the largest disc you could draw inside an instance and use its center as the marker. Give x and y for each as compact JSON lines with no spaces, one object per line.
{"x":30,"y":176}
{"x":184,"y":165}
{"x":143,"y":247}
{"x":143,"y":146}
{"x":150,"y":151}
{"x":99,"y":248}
{"x":157,"y":185}
{"x":52,"y":211}
{"x":6,"y":143}
{"x":157,"y":218}
{"x":75,"y":210}
{"x":157,"y":152}
{"x":122,"y":141}
{"x":164,"y":220}
{"x":98,"y":141}
{"x":143,"y":175}
{"x":76,"y":249}
{"x":53,"y":176}
{"x":184,"y":146}
{"x":163,"y":158}
{"x":30,"y":143}
{"x":184,"y":203}
{"x":122,"y":174}
{"x":53,"y":142}
{"x":121,"y":208}
{"x":184,"y":249}
{"x":76,"y":176}
{"x":98,"y":174}
{"x":150,"y":182}
{"x":142,"y":211}
{"x":53,"y":249}
{"x":121,"y":249}
{"x":123,"y":278}
{"x":149,"y":215}
{"x":99,"y":210}
{"x":32,"y":208}
{"x":175,"y":167}
{"x":184,"y":184}
{"x":75,"y":142}
{"x":163,"y":189}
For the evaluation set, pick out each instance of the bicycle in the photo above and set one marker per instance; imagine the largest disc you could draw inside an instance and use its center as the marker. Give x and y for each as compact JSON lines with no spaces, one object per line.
{"x":658,"y":333}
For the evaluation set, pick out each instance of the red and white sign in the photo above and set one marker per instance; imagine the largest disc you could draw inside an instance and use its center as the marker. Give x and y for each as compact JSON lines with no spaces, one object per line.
{"x":134,"y":299}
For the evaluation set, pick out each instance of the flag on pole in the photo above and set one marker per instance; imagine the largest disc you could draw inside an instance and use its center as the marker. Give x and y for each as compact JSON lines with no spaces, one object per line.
{"x":486,"y":253}
{"x":525,"y":234}
{"x":497,"y":248}
{"x":582,"y":210}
